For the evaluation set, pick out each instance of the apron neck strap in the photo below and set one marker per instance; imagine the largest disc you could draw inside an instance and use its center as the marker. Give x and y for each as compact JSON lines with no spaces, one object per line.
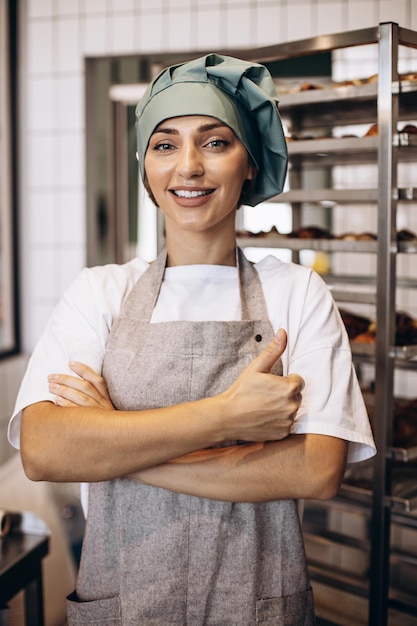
{"x":252,"y":299}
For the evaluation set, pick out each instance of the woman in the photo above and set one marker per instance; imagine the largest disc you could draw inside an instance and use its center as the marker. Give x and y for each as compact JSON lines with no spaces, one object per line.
{"x":227,"y":390}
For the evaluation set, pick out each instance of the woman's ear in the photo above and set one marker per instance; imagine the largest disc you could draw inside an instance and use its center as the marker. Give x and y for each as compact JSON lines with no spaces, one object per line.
{"x":247,"y":188}
{"x":252,"y":170}
{"x":148,"y":189}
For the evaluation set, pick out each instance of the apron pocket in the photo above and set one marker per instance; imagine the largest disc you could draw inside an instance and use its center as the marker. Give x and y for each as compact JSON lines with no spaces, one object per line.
{"x":295,"y":610}
{"x":106,"y":611}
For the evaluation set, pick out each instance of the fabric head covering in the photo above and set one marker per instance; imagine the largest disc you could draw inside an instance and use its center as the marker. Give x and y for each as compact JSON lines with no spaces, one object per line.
{"x":240,"y":94}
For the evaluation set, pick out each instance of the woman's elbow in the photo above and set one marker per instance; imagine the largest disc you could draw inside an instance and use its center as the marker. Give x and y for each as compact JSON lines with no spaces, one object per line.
{"x":31,"y":470}
{"x":328,"y":488}
{"x":33,"y":462}
{"x":328,"y":485}
{"x":329,"y":475}
{"x":33,"y":456}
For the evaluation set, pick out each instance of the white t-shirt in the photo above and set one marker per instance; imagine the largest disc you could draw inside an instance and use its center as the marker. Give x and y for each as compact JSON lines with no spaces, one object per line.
{"x":297,"y":300}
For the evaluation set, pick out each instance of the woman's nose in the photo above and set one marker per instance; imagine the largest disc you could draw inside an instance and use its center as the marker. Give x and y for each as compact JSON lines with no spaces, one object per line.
{"x":189,"y":162}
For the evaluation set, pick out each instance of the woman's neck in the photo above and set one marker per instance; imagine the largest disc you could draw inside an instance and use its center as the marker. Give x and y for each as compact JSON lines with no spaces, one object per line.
{"x":200,"y":251}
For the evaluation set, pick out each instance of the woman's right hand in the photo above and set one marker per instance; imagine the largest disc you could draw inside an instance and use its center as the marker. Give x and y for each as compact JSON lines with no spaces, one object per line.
{"x":261,"y":406}
{"x":87,"y":388}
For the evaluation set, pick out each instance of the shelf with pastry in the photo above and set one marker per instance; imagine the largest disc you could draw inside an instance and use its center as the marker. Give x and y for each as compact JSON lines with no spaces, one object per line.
{"x":313,"y":237}
{"x":363,"y":495}
{"x":358,"y":488}
{"x":329,"y":151}
{"x":330,"y":196}
{"x":404,"y":434}
{"x":362,"y":332}
{"x":306,"y":93}
{"x":348,"y":102}
{"x":324,"y":245}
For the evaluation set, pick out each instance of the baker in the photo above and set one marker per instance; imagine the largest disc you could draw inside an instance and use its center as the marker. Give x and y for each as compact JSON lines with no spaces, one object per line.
{"x":199,"y":396}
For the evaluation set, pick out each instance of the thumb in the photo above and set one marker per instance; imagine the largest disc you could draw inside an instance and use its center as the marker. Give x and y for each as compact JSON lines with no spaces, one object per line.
{"x":271,"y":353}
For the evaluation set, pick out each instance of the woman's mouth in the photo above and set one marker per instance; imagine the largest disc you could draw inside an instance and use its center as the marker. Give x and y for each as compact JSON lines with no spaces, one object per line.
{"x":186,"y":193}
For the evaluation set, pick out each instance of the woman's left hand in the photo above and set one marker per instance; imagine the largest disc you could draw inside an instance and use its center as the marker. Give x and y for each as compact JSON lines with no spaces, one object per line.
{"x":87,"y":389}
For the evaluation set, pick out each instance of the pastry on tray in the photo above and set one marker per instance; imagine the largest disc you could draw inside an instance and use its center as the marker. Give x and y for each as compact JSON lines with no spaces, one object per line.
{"x":310,"y":232}
{"x":362,"y":330}
{"x":350,"y":236}
{"x":355,"y":324}
{"x":406,"y":235}
{"x":409,"y":129}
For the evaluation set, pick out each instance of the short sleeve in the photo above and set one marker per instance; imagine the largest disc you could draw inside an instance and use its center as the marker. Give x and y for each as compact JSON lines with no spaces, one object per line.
{"x":318,"y":349}
{"x":76,"y":331}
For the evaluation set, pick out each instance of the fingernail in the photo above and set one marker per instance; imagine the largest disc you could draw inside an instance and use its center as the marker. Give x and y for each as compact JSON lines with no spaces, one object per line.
{"x":279,"y":336}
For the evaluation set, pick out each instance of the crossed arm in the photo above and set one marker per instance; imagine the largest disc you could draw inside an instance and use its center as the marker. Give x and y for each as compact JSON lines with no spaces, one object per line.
{"x":83,"y":438}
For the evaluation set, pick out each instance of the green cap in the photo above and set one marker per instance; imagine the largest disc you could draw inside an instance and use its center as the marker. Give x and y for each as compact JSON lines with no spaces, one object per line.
{"x":240,"y":94}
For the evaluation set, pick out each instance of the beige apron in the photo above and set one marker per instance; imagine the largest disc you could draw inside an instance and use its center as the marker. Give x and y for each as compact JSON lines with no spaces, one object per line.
{"x":153,"y":557}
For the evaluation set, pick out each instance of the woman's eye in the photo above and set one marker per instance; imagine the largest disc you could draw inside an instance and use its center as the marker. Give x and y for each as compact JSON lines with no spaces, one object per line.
{"x":217,"y":143}
{"x":163,"y":146}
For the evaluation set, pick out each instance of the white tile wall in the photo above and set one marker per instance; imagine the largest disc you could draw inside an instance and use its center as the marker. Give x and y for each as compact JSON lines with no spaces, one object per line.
{"x":39,"y":8}
{"x":270,"y":24}
{"x":59,"y":34}
{"x":40,"y":60}
{"x":122,"y":34}
{"x":183,"y":21}
{"x":239,"y":21}
{"x":151,"y":35}
{"x":362,"y":14}
{"x":93,"y":6}
{"x":66,"y":7}
{"x":301,"y":21}
{"x":66,"y":36}
{"x":333,"y":14}
{"x":395,"y":11}
{"x":94,"y":35}
{"x":69,"y":102}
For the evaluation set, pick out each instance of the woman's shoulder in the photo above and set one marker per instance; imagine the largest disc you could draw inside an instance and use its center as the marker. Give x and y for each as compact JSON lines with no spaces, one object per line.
{"x":103,"y":287}
{"x":120,"y":276}
{"x":272,"y":268}
{"x":290,"y":282}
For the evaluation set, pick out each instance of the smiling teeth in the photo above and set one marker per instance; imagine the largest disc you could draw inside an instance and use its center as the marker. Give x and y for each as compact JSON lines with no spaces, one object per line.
{"x":182,"y":193}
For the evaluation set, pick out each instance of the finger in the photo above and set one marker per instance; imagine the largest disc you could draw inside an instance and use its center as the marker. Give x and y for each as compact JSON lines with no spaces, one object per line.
{"x":82,"y":392}
{"x":72,"y":382}
{"x":69,"y":396}
{"x":271,"y":353}
{"x":88,"y":374}
{"x":298,"y":382}
{"x":64,"y":402}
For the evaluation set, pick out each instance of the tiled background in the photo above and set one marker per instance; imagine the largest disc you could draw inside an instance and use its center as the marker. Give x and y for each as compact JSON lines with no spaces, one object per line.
{"x":57,"y":36}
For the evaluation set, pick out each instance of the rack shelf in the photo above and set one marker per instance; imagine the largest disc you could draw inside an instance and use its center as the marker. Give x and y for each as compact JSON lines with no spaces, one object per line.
{"x":348,"y":150}
{"x":402,"y":353}
{"x":324,"y":245}
{"x":322,"y":107}
{"x":341,"y":196}
{"x":363,"y":496}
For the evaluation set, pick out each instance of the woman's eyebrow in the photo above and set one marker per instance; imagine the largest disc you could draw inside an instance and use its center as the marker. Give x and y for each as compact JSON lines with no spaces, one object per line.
{"x":203,"y":128}
{"x":166,"y":131}
{"x":212,"y":126}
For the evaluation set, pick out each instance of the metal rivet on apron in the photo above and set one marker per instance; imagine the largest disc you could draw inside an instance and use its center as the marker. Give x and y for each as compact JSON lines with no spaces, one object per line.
{"x":258,"y":338}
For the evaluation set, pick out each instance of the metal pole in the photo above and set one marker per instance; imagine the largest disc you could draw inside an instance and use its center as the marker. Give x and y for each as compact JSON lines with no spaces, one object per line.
{"x":385,"y":310}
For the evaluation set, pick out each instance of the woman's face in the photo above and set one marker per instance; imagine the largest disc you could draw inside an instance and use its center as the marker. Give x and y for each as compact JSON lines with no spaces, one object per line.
{"x":195,"y":168}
